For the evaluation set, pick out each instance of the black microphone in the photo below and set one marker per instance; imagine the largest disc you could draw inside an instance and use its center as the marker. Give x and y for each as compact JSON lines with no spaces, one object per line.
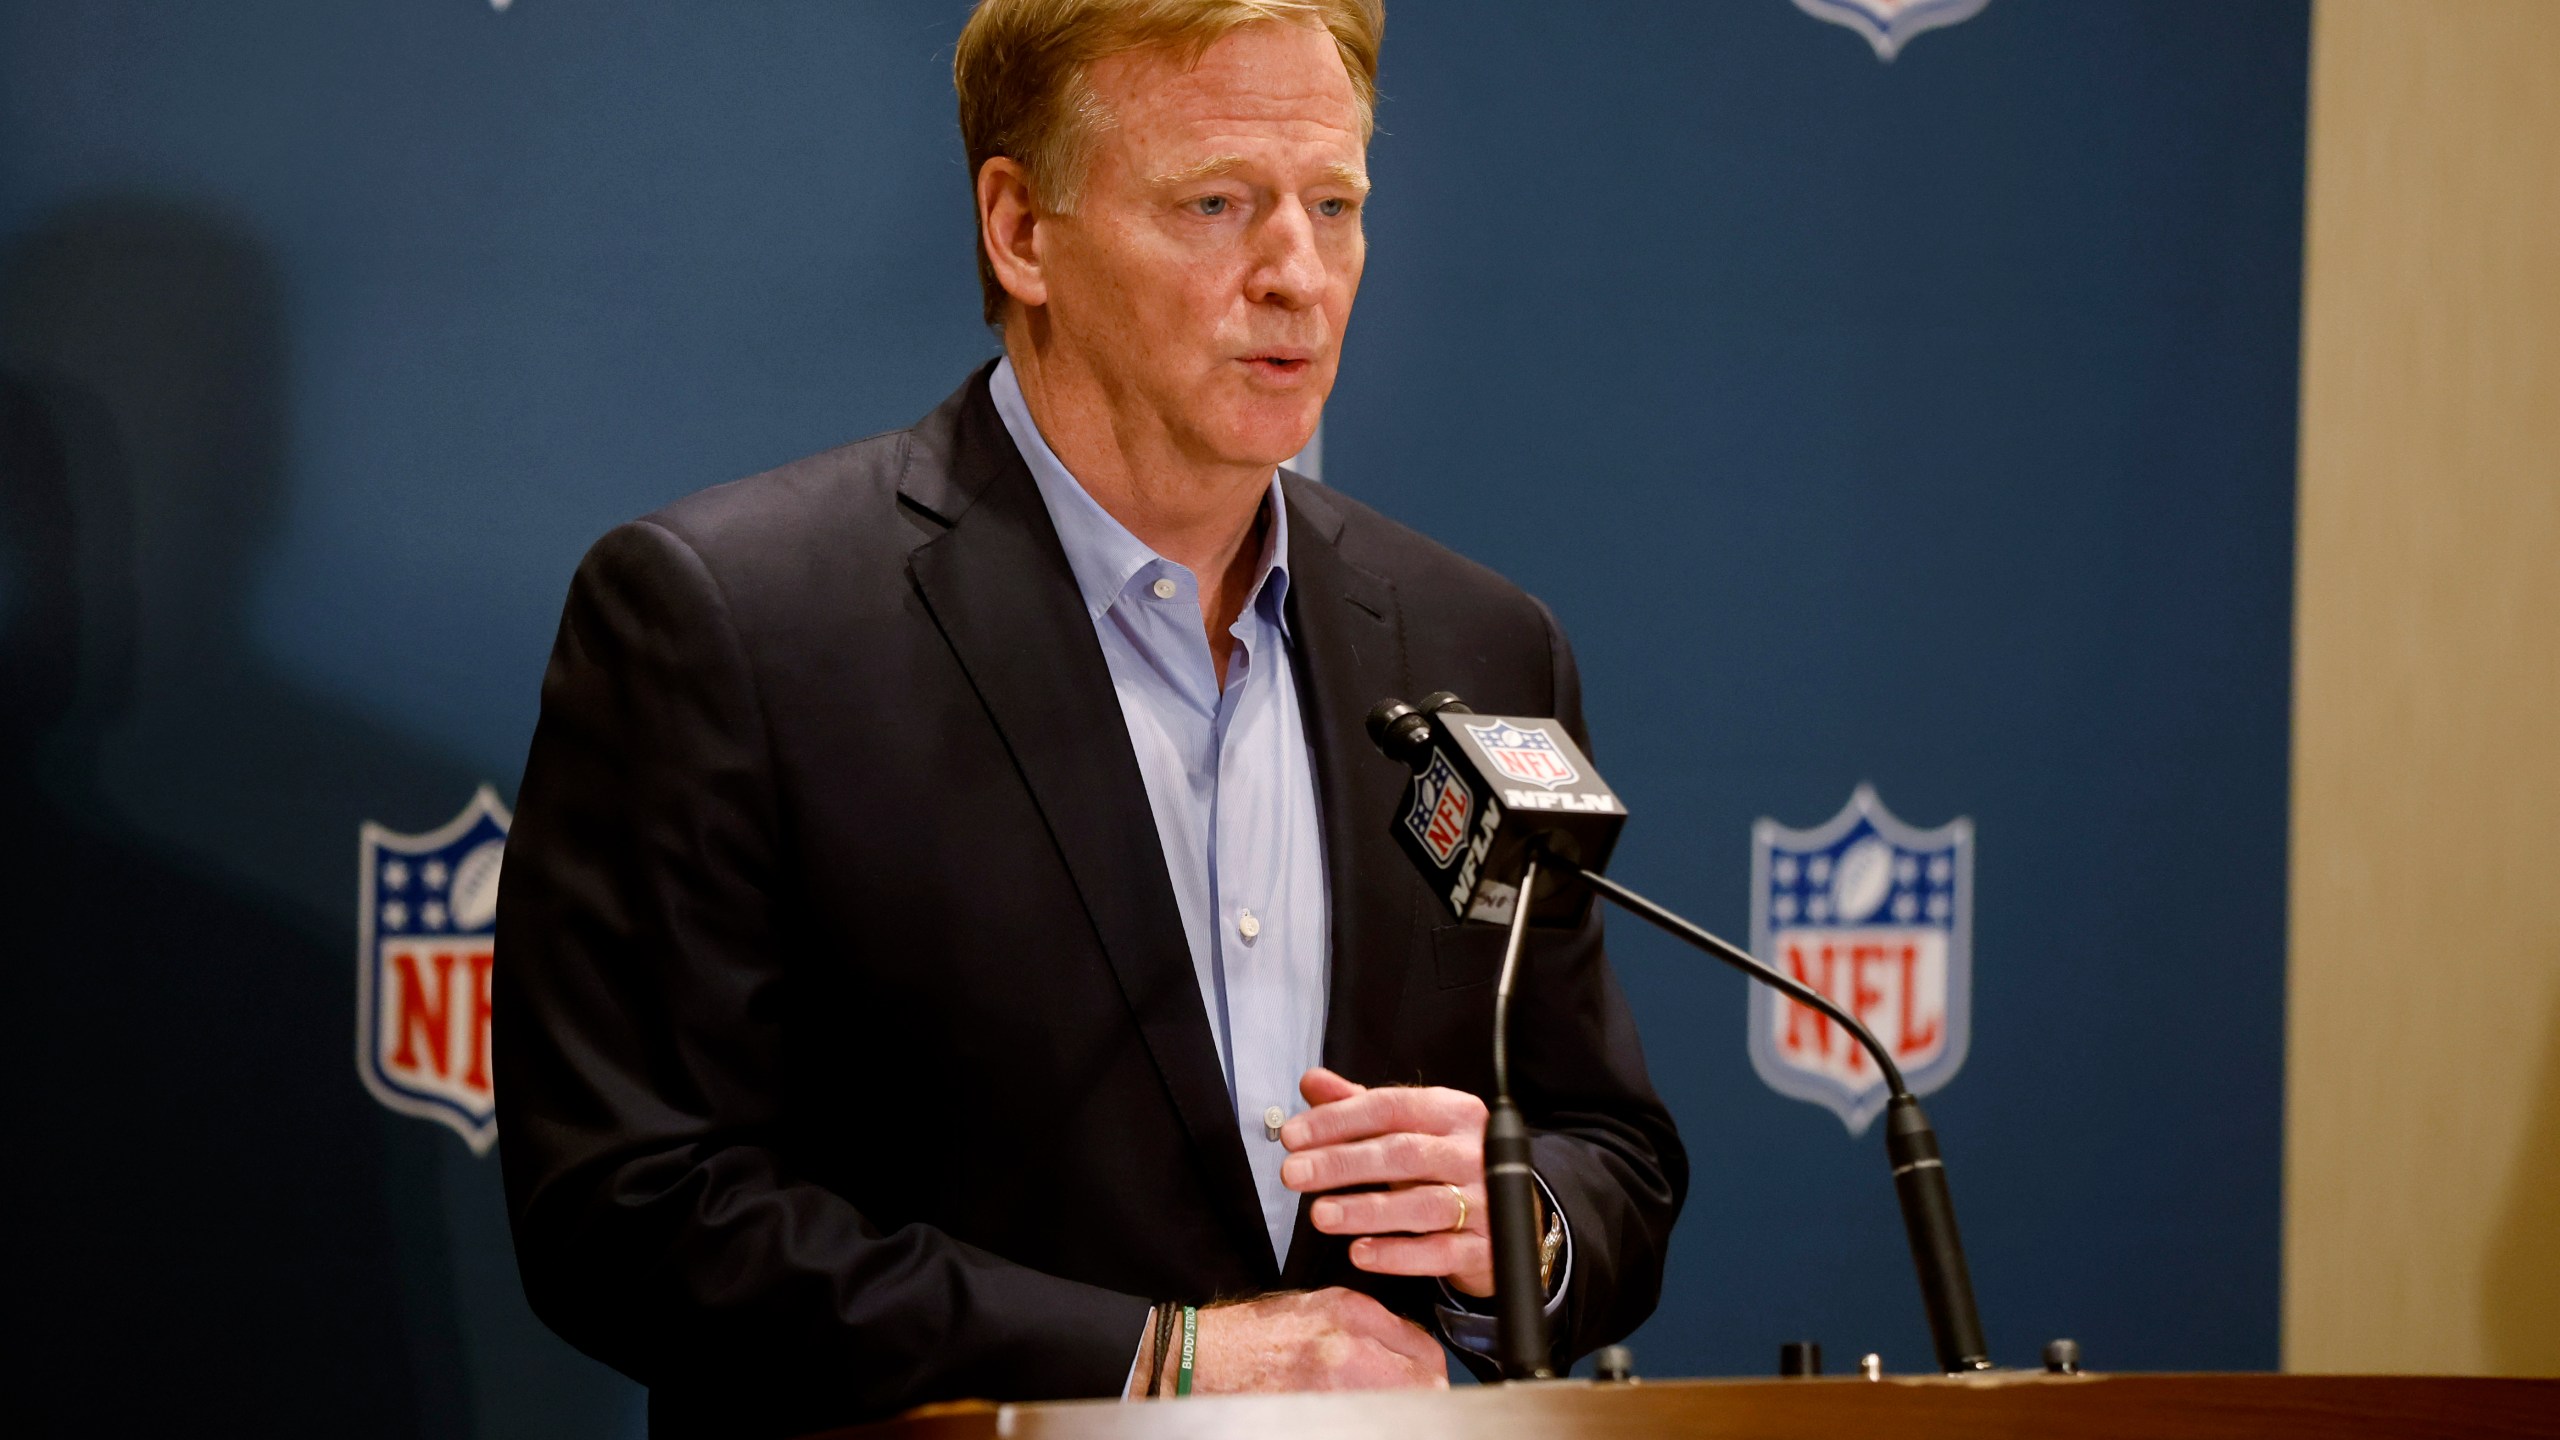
{"x":1471,"y":775}
{"x":1496,"y":800}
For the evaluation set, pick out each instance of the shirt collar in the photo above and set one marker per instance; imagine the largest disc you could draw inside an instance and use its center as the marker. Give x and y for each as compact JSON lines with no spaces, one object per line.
{"x":1101,"y":552}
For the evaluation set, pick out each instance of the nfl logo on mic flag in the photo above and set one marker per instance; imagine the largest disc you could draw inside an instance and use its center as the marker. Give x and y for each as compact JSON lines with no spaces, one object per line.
{"x":1440,"y":810}
{"x":1878,"y":916}
{"x":426,"y":918}
{"x":1525,"y":753}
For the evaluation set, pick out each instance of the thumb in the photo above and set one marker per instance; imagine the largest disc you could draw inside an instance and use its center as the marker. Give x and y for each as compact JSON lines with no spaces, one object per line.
{"x":1322,"y":1087}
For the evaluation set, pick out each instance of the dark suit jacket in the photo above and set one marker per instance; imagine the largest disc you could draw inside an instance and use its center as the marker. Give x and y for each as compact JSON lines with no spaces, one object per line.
{"x":851,"y":1054}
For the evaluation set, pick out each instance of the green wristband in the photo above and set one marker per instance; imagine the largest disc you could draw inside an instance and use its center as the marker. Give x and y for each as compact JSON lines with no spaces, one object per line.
{"x":1190,"y":1347}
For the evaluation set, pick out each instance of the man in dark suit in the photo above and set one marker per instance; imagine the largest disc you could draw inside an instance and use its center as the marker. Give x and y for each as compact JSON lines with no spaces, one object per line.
{"x":950,"y":907}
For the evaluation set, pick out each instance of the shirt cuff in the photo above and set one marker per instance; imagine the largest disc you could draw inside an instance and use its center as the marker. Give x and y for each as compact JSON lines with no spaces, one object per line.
{"x":1472,"y":1330}
{"x":1129,"y":1387}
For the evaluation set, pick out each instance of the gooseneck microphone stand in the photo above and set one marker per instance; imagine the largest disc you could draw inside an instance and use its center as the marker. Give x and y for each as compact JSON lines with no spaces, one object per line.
{"x":1919,"y":1177}
{"x":1520,"y":1344}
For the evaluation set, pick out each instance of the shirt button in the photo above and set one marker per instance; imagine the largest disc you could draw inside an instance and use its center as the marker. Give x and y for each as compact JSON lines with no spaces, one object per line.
{"x":1246,"y":925}
{"x":1272,"y":1120}
{"x":1163,"y":588}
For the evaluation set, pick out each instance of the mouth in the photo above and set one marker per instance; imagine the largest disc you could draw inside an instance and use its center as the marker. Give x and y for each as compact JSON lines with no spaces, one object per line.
{"x":1280,"y":363}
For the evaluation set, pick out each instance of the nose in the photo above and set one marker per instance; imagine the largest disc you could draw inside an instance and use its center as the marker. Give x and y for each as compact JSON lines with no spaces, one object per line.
{"x":1290,"y":271}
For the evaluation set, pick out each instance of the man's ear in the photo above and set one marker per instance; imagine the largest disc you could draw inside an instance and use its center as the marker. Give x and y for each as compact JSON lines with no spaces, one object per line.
{"x":1008,"y":226}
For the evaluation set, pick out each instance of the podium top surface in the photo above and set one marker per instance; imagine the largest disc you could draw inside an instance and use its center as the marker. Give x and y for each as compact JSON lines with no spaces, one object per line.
{"x":2207,"y":1407}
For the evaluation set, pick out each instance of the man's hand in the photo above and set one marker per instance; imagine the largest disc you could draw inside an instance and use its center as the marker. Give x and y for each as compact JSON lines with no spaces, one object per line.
{"x":1312,"y":1340}
{"x":1416,"y":1141}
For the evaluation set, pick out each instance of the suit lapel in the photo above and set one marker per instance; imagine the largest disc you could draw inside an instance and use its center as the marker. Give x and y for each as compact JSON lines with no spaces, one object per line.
{"x":998,"y":585}
{"x":1350,"y":655}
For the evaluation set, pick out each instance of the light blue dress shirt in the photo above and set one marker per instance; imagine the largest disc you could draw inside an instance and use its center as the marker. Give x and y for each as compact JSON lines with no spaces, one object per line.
{"x":1232,"y":784}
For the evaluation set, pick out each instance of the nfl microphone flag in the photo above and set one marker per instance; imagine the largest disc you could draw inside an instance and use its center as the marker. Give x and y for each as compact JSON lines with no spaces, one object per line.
{"x":1472,"y":776}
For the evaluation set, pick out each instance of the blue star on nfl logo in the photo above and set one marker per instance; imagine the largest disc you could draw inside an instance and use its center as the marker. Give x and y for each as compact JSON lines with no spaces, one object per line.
{"x":1877,"y":915}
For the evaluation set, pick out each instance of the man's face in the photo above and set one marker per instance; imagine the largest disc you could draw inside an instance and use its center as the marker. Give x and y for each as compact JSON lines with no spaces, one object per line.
{"x":1208,"y":271}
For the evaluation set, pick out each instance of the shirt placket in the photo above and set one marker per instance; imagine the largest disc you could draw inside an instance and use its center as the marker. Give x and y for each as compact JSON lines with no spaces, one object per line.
{"x":1181,"y":652}
{"x":1250,"y":949}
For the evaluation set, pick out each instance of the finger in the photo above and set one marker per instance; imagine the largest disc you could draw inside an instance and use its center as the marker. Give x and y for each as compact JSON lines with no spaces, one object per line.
{"x":1411,"y":1210}
{"x":1356,"y":1116}
{"x":1322,"y":1087}
{"x":1432,"y":1110}
{"x":1386,"y":1109}
{"x":1423,"y":1254}
{"x":1404,"y":1158}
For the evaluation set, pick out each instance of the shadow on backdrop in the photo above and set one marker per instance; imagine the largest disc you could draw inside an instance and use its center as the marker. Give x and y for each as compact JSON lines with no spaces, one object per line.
{"x":2521,"y":1302}
{"x":212,"y":1219}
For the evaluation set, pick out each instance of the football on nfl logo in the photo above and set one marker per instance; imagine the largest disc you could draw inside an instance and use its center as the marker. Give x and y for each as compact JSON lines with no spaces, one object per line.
{"x":1878,"y":916}
{"x":426,"y":922}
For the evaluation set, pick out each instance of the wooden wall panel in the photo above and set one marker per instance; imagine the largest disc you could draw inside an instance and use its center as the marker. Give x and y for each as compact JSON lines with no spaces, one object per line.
{"x":2423,"y":1106}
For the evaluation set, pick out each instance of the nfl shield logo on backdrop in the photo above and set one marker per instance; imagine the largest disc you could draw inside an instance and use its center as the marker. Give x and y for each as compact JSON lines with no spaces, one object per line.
{"x":1878,"y":916}
{"x":1526,"y":753}
{"x":428,"y":912}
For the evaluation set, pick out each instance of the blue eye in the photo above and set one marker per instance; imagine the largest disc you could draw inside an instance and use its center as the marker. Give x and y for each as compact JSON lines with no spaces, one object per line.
{"x":1331,"y":208}
{"x":1212,"y":204}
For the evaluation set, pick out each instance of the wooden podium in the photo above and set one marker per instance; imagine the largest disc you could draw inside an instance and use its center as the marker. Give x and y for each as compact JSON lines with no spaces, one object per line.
{"x":1989,"y":1407}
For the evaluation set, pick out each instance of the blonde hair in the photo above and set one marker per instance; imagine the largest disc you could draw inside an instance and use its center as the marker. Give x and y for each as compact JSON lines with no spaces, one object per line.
{"x":1022,"y":66}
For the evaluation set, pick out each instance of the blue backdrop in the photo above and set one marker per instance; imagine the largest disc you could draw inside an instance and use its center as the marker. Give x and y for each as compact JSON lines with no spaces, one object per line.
{"x":1929,"y":424}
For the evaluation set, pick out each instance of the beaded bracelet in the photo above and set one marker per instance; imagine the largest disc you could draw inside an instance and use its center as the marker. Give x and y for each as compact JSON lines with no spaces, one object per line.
{"x":1161,"y":1322}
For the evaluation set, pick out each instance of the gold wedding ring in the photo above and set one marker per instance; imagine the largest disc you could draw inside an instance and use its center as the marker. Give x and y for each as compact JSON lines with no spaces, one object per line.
{"x":1462,"y":1208}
